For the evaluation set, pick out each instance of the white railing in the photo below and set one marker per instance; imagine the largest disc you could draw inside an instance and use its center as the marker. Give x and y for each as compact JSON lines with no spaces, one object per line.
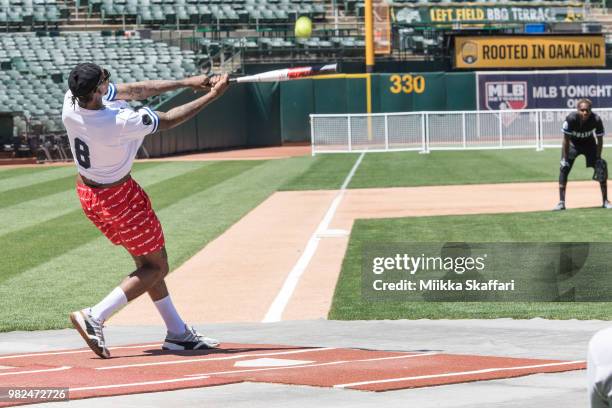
{"x":442,"y":130}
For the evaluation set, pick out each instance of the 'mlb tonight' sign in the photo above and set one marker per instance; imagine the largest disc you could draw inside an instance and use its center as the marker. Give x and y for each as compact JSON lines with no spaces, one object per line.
{"x":530,"y":51}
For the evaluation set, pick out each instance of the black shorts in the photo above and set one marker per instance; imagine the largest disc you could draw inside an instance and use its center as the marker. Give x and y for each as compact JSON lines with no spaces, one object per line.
{"x":588,"y":149}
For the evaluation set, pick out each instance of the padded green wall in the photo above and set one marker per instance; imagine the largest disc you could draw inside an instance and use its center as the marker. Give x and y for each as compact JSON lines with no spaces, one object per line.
{"x":271,"y":114}
{"x":435,"y":91}
{"x":246,"y":115}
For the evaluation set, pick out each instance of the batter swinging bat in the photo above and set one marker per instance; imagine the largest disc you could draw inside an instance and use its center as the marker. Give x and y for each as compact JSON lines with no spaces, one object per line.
{"x":287,"y":74}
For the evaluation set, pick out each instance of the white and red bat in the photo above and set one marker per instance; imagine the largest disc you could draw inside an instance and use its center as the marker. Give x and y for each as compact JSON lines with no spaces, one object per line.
{"x":287,"y":74}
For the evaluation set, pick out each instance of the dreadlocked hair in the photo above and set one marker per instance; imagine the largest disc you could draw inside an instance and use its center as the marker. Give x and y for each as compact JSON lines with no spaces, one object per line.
{"x":82,"y":99}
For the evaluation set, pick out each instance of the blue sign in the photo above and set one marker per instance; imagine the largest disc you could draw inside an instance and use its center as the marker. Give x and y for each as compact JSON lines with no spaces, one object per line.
{"x":543,"y":90}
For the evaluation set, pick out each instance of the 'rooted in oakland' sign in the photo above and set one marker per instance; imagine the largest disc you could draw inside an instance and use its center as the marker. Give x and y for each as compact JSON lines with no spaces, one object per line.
{"x":530,"y":51}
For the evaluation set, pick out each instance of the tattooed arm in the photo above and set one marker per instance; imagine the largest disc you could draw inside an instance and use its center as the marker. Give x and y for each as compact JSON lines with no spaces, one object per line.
{"x":182,"y":113}
{"x":144,"y":89}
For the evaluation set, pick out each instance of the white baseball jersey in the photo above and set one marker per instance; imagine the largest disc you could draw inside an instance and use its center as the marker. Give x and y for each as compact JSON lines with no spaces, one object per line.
{"x":599,"y":369}
{"x":104,"y":142}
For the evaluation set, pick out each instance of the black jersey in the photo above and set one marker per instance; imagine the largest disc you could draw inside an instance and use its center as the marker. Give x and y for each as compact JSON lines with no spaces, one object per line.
{"x":582,"y":132}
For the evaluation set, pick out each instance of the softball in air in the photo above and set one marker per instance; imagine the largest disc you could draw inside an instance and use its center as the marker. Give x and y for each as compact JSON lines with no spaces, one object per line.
{"x":303,"y":27}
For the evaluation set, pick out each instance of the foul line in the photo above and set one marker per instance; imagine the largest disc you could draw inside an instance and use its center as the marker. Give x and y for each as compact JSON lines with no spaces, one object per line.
{"x":47,"y":370}
{"x":199,"y":360}
{"x":313,"y":365}
{"x":101,"y":387}
{"x":486,"y":370}
{"x":275,"y":312}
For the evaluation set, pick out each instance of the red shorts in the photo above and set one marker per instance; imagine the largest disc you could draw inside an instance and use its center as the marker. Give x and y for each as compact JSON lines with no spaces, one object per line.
{"x":124,"y":215}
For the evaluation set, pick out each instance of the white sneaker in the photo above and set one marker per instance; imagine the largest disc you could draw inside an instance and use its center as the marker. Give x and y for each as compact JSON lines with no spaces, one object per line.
{"x":91,"y":331}
{"x":189,"y":340}
{"x":560,"y":206}
{"x":607,"y":205}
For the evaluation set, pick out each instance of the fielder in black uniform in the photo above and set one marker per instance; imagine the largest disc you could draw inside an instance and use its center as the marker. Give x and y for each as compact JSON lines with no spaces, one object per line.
{"x":583,"y":133}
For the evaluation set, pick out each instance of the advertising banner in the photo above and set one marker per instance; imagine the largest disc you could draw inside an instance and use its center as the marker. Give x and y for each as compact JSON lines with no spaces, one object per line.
{"x":543,"y":90}
{"x":531,"y":51}
{"x":382,"y":27}
{"x":486,"y":14}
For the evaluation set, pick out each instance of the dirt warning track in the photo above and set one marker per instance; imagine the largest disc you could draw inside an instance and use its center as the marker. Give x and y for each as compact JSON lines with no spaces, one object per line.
{"x":145,"y":368}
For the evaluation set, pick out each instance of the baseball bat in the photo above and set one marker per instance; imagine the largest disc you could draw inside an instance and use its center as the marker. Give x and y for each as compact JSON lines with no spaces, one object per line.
{"x":287,"y":74}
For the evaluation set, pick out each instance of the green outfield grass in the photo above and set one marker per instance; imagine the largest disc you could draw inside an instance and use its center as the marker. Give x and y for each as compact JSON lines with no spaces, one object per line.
{"x":405,"y":169}
{"x":55,"y":261}
{"x":580,"y":225}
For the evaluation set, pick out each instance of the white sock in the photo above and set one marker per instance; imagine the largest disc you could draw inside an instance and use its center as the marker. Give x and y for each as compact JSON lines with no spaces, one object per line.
{"x":168,"y":312}
{"x":110,"y":304}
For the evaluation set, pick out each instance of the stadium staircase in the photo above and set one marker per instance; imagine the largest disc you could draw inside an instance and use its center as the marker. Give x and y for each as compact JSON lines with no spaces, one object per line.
{"x":81,"y":19}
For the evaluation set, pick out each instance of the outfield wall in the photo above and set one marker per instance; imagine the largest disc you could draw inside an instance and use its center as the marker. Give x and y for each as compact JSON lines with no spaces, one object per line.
{"x":246,"y":115}
{"x":272,"y":114}
{"x":403,"y":92}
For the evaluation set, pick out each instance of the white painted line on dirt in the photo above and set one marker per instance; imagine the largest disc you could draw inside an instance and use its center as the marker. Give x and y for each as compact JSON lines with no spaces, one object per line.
{"x":486,"y":370}
{"x":275,"y":312}
{"x":270,"y":362}
{"x":6,"y":367}
{"x":199,"y":360}
{"x":333,"y":233}
{"x":102,"y":387}
{"x":314,"y":365}
{"x":46,"y":370}
{"x":54,"y":353}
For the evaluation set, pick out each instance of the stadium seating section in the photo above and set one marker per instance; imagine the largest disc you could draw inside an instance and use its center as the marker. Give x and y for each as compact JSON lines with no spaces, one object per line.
{"x":18,"y":13}
{"x":286,"y":48}
{"x":33,"y":69}
{"x":232,"y":13}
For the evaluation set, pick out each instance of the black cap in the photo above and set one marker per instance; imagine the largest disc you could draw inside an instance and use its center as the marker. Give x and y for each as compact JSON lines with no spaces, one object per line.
{"x":84,"y":79}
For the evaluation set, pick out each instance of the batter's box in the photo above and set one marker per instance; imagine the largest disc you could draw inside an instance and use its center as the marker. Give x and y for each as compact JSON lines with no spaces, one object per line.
{"x":144,"y":368}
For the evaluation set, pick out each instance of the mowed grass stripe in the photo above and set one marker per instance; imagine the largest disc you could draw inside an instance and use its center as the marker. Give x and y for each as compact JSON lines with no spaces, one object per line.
{"x":36,"y":191}
{"x":35,"y":177}
{"x":325,"y":172}
{"x":407,"y":169}
{"x":85,"y":274}
{"x":194,"y":182}
{"x":42,"y":189}
{"x":9,"y":172}
{"x":28,"y":213}
{"x":51,"y":238}
{"x":348,"y":303}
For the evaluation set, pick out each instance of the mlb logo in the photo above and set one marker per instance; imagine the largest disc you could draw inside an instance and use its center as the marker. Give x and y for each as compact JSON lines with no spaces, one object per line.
{"x":506,"y":95}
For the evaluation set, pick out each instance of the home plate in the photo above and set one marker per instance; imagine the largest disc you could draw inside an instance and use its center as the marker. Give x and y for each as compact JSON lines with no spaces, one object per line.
{"x":270,"y":362}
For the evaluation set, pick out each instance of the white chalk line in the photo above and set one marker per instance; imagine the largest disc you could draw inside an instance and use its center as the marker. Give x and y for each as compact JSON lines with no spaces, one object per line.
{"x":46,"y":370}
{"x":54,"y":353}
{"x":200,"y":360}
{"x":275,"y":312}
{"x":314,"y":365}
{"x":101,"y":387}
{"x":486,"y":370}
